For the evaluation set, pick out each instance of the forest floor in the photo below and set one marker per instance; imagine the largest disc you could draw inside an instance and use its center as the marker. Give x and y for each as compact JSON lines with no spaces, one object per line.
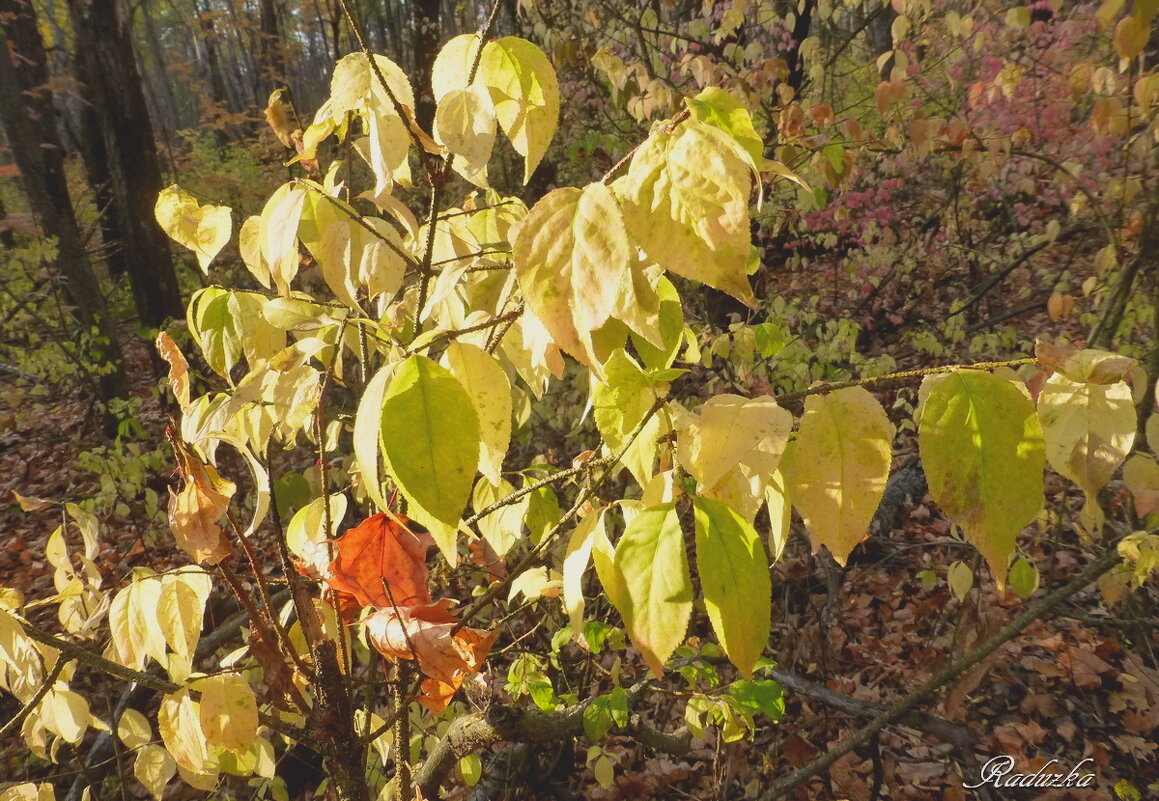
{"x":1080,"y":685}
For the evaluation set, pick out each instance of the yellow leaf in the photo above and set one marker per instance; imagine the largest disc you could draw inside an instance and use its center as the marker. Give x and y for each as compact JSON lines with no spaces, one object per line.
{"x":180,"y":612}
{"x":490,"y":391}
{"x":981,"y":448}
{"x":278,"y":234}
{"x":525,"y":91}
{"x":133,"y":729}
{"x":1089,"y":430}
{"x":686,"y":204}
{"x":1131,"y":36}
{"x":729,"y":431}
{"x":66,"y":714}
{"x":1088,"y":365}
{"x":575,"y":564}
{"x":179,"y":723}
{"x":229,"y":711}
{"x":178,"y":368}
{"x":452,"y":65}
{"x":839,"y":467}
{"x":153,"y":768}
{"x":133,"y":621}
{"x":202,"y":229}
{"x":465,"y":122}
{"x":571,"y":254}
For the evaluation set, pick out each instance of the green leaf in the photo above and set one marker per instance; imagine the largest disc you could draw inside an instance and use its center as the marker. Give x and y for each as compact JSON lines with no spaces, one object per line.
{"x":686,"y":203}
{"x":503,"y":527}
{"x":1023,"y":577}
{"x":981,"y":448}
{"x":472,"y":769}
{"x":1089,"y":430}
{"x":571,"y":256}
{"x":526,"y":95}
{"x":202,"y":229}
{"x":839,"y":467}
{"x":430,"y":443}
{"x":720,"y":109}
{"x":734,"y":576}
{"x":619,"y":404}
{"x":660,"y":352}
{"x":650,"y":584}
{"x":764,"y":695}
{"x":597,"y":719}
{"x":215,"y":329}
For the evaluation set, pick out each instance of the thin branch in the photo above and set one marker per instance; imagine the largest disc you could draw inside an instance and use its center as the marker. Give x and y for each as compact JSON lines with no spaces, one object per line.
{"x":34,"y":701}
{"x":144,"y":678}
{"x":905,"y":375}
{"x":358,"y":218}
{"x":445,"y":336}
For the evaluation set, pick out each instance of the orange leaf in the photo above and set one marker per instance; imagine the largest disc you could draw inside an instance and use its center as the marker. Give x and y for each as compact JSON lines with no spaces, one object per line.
{"x":178,"y":368}
{"x":195,"y":510}
{"x":383,"y":549}
{"x":426,"y":634}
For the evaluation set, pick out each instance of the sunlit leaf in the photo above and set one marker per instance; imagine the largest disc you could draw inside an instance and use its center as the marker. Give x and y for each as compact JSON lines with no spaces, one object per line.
{"x":229,"y":712}
{"x":982,"y":451}
{"x":525,"y":92}
{"x":571,"y":254}
{"x":653,"y":588}
{"x":734,"y":576}
{"x":839,"y":467}
{"x":202,"y":229}
{"x":430,"y":442}
{"x":686,"y":199}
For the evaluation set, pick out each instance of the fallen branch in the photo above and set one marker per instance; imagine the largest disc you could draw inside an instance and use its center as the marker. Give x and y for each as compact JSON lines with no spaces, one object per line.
{"x":944,"y":676}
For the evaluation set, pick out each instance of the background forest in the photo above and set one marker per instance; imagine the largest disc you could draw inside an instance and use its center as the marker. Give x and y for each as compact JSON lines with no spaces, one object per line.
{"x":736,"y":399}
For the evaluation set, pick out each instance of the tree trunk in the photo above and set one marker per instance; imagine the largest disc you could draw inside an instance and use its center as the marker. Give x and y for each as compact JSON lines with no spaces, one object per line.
{"x":271,"y":56}
{"x":30,"y":127}
{"x":426,"y":48}
{"x":105,"y":45}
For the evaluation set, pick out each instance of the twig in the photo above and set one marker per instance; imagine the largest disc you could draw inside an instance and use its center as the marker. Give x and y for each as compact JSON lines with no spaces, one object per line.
{"x":905,"y":375}
{"x":501,"y":319}
{"x":34,"y":701}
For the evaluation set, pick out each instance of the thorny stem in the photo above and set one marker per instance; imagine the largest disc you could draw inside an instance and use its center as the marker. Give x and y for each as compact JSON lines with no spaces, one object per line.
{"x":324,"y":478}
{"x":264,"y":593}
{"x":905,"y":375}
{"x":261,"y":629}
